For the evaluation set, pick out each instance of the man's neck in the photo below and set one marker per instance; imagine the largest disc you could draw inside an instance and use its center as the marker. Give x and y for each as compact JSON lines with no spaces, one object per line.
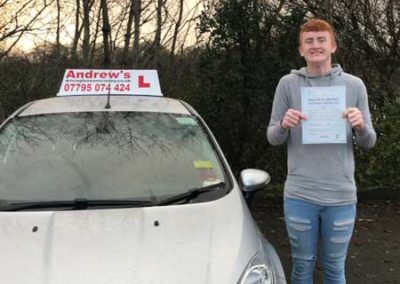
{"x":319,"y":69}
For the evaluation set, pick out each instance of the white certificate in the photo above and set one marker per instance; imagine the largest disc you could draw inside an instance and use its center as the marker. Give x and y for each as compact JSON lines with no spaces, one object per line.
{"x":323,"y":107}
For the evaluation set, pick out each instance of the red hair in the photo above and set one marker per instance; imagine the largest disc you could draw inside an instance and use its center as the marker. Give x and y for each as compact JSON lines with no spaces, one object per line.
{"x":317,"y":25}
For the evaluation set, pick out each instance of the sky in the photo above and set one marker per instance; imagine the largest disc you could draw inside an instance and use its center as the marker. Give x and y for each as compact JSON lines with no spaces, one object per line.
{"x":44,"y":29}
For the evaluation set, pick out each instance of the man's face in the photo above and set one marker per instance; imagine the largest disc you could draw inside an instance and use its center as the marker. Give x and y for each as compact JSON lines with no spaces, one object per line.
{"x":317,"y":47}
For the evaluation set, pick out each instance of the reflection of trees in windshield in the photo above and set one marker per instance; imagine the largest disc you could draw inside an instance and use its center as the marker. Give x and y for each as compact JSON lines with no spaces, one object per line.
{"x":31,"y":134}
{"x":133,"y":133}
{"x":103,"y":155}
{"x":130,"y":133}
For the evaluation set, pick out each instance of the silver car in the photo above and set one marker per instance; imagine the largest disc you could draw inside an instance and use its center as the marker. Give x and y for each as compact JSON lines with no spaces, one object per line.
{"x":124,"y":189}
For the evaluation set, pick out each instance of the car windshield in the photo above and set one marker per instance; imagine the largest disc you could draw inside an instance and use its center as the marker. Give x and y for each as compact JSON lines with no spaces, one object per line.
{"x":105,"y":155}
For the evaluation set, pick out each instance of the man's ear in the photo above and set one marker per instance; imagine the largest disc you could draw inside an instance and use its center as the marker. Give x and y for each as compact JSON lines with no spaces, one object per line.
{"x":301,"y":51}
{"x":333,"y":47}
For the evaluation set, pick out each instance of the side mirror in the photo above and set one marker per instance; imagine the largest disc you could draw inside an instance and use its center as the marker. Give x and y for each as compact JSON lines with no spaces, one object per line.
{"x":253,"y":179}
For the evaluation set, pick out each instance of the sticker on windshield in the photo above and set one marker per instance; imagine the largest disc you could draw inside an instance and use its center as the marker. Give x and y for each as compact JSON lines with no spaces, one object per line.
{"x":211,"y":182}
{"x":201,"y":164}
{"x":184,"y":120}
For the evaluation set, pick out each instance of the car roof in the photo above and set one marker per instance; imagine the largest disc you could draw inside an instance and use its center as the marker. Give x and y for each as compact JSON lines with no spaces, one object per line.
{"x":98,"y":104}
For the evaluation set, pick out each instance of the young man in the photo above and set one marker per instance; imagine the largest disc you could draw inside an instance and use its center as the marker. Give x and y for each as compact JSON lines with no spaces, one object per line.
{"x":320,"y":191}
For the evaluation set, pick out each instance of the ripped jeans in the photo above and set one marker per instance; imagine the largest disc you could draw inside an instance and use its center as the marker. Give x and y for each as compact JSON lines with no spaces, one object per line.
{"x":308,"y":225}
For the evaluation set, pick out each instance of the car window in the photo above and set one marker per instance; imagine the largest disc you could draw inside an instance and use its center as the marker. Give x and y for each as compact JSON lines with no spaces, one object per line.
{"x":105,"y":155}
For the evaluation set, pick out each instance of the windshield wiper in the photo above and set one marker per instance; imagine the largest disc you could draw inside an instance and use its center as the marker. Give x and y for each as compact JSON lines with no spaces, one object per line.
{"x":83,"y":203}
{"x":76,"y":204}
{"x":189,"y":195}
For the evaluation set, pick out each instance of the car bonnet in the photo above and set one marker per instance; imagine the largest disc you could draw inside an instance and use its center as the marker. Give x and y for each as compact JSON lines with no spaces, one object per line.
{"x":208,"y":242}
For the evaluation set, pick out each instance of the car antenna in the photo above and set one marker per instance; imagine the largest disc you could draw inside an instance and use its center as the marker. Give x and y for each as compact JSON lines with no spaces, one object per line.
{"x":108,"y":106}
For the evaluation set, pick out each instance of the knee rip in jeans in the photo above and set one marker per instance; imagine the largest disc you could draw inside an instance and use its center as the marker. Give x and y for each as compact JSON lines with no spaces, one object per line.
{"x":339,"y":256}
{"x":341,"y":239}
{"x":304,"y":257}
{"x":343,"y":225}
{"x":293,"y":240}
{"x":299,"y":224}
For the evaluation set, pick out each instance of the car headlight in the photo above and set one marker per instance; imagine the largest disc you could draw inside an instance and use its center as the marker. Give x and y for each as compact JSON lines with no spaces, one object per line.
{"x":257,"y":274}
{"x":258,"y":271}
{"x":264,"y":267}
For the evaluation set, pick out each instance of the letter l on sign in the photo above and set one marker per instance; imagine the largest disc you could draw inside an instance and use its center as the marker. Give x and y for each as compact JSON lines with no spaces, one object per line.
{"x":142,"y":83}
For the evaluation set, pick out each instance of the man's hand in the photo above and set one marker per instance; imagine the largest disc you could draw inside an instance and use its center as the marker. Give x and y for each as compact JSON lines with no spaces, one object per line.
{"x":354,"y":117}
{"x":292,"y":118}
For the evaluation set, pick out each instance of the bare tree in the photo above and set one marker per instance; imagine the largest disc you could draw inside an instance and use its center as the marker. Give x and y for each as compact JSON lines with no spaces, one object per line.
{"x":128,"y":33}
{"x":58,"y":26}
{"x":157,"y":37}
{"x":137,"y":10}
{"x":17,"y":19}
{"x":96,"y":33}
{"x":189,"y":21}
{"x":86,"y":28}
{"x":106,"y":34}
{"x":176,"y":30}
{"x":77,"y":32}
{"x":133,"y":20}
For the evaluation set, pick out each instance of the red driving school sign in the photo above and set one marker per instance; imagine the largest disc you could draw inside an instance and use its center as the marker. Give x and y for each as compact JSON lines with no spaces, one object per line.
{"x":105,"y":81}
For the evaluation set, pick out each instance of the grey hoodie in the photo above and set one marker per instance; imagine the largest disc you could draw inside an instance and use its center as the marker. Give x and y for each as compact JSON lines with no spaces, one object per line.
{"x":320,"y":173}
